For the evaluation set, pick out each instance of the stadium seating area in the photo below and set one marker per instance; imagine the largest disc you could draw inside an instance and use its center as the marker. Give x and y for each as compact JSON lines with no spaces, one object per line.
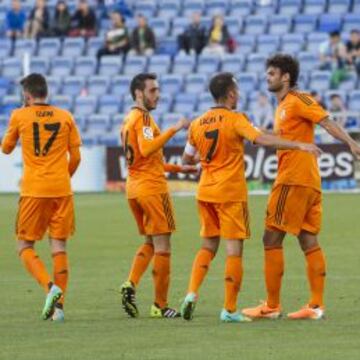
{"x":98,"y":93}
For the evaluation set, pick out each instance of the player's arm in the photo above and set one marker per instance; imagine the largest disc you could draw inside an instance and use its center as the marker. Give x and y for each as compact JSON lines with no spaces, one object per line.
{"x":11,"y":136}
{"x":149,"y":145}
{"x":185,"y":169}
{"x":339,"y":133}
{"x":74,"y":159}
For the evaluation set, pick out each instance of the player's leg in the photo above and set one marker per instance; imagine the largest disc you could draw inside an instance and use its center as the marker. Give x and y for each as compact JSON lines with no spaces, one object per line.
{"x":199,"y":270}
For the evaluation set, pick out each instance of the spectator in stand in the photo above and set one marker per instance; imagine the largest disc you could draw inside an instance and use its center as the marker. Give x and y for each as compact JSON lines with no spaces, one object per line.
{"x":83,"y":21}
{"x":15,"y":20}
{"x":193,"y":39}
{"x":143,"y":38}
{"x":116,"y":39}
{"x":38,"y":23}
{"x":338,"y":107}
{"x":62,"y":20}
{"x":353,"y":50}
{"x":218,"y":39}
{"x":263,"y":112}
{"x":318,"y":98}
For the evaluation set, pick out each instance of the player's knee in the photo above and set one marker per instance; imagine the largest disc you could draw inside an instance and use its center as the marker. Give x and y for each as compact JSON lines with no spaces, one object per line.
{"x":23,"y":245}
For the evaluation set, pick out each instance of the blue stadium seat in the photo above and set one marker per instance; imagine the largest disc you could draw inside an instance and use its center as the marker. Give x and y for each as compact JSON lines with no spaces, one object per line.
{"x":178,"y":25}
{"x":62,"y":101}
{"x":5,"y":47}
{"x":351,"y":21}
{"x":205,"y":102}
{"x":116,"y":121}
{"x":169,"y":9}
{"x":24,"y":46}
{"x":234,"y":25}
{"x":5,"y":85}
{"x":85,"y":105}
{"x":267,"y":44}
{"x":330,"y":22}
{"x":49,"y":47}
{"x":93,"y":45}
{"x":256,"y":63}
{"x":314,"y":41}
{"x":208,"y":64}
{"x":134,"y":65}
{"x":339,"y":7}
{"x":99,"y":123}
{"x":191,"y":6}
{"x":171,"y":84}
{"x":245,"y":44}
{"x":146,"y":8}
{"x":110,"y":65}
{"x":73,"y":85}
{"x":167,"y":46}
{"x":160,"y":27}
{"x":232,"y":63}
{"x":195,"y":83}
{"x":170,"y":119}
{"x":207,"y":21}
{"x":98,"y":85}
{"x":247,"y":82}
{"x":120,"y":85}
{"x":54,"y":84}
{"x":164,"y":104}
{"x":265,"y":7}
{"x":183,"y":64}
{"x":240,"y":7}
{"x":279,"y":24}
{"x":12,"y":68}
{"x":292,"y":43}
{"x":3,"y":124}
{"x":320,"y":80}
{"x":128,"y":103}
{"x":216,"y":7}
{"x":10,"y":103}
{"x":61,"y":66}
{"x":308,"y":61}
{"x":185,"y":103}
{"x":314,"y":7}
{"x":356,"y":6}
{"x":354,"y":100}
{"x":109,"y":104}
{"x":39,"y":65}
{"x":350,"y":83}
{"x":255,"y":24}
{"x":303,"y":80}
{"x":290,"y":7}
{"x":304,"y":23}
{"x":159,"y":64}
{"x":73,"y":46}
{"x":85,"y":66}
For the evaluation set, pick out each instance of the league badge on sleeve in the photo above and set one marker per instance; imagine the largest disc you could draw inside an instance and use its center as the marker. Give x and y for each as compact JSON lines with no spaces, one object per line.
{"x":148,"y":133}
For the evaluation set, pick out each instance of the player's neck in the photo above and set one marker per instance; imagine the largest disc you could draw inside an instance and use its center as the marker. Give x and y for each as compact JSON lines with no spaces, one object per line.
{"x":280,"y":95}
{"x":223,"y":105}
{"x":140,"y":105}
{"x":38,"y":101}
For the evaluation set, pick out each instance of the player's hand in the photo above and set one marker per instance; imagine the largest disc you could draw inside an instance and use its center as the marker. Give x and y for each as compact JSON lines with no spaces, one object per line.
{"x":183,"y":123}
{"x":311,"y":148}
{"x":355,"y":149}
{"x":189,"y":169}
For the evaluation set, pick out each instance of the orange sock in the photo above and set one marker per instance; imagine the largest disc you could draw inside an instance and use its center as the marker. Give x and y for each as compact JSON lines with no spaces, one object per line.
{"x":61,"y":272}
{"x":200,"y":268}
{"x":36,"y":267}
{"x":233,"y":277}
{"x":316,"y":272}
{"x":140,"y":263}
{"x":161,"y":276}
{"x":274,"y":269}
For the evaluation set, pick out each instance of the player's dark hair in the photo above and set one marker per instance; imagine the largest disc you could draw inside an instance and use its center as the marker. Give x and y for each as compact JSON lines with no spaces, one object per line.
{"x":138,"y":82}
{"x":36,"y":85}
{"x":287,"y":65}
{"x":221,"y":84}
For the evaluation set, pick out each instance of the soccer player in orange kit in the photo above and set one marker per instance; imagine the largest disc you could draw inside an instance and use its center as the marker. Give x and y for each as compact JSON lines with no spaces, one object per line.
{"x":295,"y":204}
{"x":50,"y":144}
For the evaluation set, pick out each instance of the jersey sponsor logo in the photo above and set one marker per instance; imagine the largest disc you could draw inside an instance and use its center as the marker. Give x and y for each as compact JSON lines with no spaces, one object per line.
{"x":148,"y":133}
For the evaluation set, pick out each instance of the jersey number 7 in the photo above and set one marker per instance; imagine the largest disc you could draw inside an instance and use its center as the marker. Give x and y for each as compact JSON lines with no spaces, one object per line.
{"x":54,"y":128}
{"x":212,"y":135}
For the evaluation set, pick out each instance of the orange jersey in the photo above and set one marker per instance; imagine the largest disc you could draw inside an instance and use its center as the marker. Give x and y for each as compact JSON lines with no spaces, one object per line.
{"x":46,"y":133}
{"x":218,"y":137}
{"x":295,"y":119}
{"x":146,"y":173}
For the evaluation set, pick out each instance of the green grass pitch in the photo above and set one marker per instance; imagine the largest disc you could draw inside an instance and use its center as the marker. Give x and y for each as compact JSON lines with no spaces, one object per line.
{"x":101,"y":252}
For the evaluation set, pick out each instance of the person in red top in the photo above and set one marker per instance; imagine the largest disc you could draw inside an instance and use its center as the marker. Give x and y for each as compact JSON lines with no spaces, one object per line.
{"x":148,"y":194}
{"x":50,"y":144}
{"x":216,"y":138}
{"x":294,"y":204}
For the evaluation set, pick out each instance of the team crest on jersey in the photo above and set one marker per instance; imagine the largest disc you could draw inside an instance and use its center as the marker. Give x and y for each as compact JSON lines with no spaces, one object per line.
{"x":148,"y":133}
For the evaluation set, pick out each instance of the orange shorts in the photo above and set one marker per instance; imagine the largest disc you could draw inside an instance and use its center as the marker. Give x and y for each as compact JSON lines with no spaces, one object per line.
{"x":154,"y":214}
{"x":228,"y":220}
{"x":37,"y":215}
{"x":293,"y":208}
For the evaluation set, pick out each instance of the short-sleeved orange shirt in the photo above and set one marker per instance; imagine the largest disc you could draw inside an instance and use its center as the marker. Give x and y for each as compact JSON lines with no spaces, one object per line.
{"x":218,"y":136}
{"x":146,"y":175}
{"x":295,"y":119}
{"x":46,"y":134}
